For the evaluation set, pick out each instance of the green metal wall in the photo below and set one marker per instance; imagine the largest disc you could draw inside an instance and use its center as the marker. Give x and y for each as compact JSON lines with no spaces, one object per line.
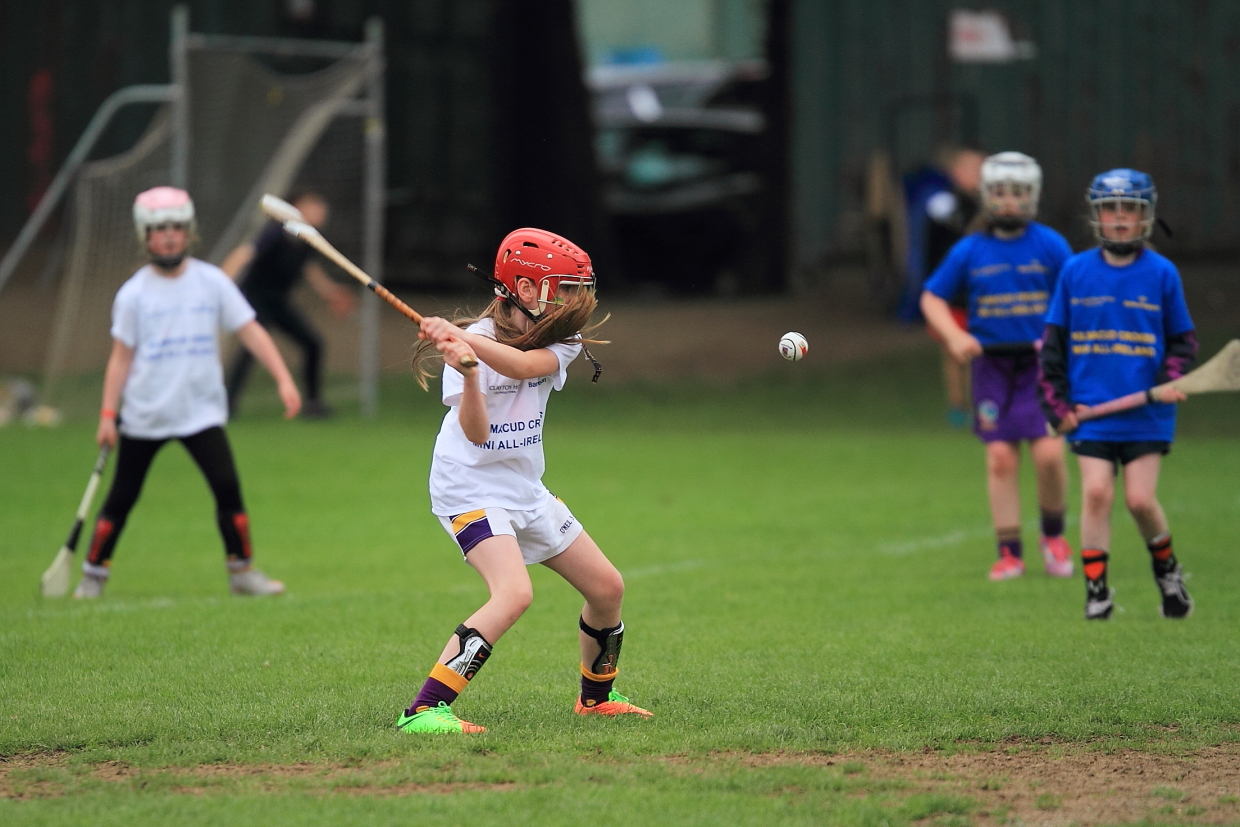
{"x":1150,"y":84}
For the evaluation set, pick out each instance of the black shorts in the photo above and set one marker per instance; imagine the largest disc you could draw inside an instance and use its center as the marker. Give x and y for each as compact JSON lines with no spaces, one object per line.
{"x":1118,"y":453}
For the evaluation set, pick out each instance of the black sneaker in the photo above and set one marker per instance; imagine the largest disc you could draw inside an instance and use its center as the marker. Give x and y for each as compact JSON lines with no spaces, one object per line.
{"x":1175,"y":600}
{"x":316,"y":409}
{"x":1098,"y":602}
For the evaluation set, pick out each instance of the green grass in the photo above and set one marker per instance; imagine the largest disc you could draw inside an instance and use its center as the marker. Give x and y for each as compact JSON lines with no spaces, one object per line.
{"x":805,"y":558}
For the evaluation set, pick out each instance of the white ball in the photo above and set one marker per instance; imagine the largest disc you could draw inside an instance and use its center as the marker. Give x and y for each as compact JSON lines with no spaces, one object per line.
{"x":793,"y":347}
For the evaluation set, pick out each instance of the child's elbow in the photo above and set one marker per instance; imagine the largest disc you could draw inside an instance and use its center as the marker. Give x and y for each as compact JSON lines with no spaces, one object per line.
{"x":477,"y":435}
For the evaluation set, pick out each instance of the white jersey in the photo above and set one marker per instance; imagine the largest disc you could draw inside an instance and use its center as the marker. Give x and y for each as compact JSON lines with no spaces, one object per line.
{"x":505,"y":471}
{"x":176,"y":384}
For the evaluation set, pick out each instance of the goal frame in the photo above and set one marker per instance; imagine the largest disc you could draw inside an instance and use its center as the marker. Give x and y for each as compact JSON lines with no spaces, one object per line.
{"x":368,"y":105}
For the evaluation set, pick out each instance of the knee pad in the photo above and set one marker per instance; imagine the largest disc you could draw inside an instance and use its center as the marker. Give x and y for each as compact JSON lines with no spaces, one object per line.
{"x":609,"y":640}
{"x":474,"y":652}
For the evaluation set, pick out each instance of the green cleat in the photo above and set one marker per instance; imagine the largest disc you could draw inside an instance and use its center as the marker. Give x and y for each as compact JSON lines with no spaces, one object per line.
{"x":436,"y":719}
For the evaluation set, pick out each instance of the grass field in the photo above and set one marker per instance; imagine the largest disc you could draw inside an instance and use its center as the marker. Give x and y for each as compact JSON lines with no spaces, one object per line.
{"x":807,"y":609}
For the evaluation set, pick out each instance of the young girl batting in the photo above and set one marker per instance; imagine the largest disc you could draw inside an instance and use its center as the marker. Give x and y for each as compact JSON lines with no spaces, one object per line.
{"x":165,"y":364}
{"x":1118,"y":323}
{"x":486,"y":473}
{"x":1008,"y":272}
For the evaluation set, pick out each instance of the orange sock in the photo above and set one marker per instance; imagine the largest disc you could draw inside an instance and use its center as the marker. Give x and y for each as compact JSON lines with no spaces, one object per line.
{"x":1160,"y":547}
{"x":1094,"y":563}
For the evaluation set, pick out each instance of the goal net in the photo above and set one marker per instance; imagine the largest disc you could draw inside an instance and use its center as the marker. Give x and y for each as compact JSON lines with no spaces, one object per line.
{"x":251,"y":130}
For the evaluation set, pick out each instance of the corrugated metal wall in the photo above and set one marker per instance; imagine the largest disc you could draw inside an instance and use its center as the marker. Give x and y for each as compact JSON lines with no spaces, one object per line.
{"x":1145,"y":83}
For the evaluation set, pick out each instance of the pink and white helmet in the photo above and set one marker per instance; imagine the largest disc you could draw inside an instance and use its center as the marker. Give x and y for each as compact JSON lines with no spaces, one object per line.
{"x":162,"y":205}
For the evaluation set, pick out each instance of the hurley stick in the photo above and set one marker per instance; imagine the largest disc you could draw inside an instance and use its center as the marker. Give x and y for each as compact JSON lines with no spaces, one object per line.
{"x":294,"y":225}
{"x":55,"y":581}
{"x":1221,"y":373}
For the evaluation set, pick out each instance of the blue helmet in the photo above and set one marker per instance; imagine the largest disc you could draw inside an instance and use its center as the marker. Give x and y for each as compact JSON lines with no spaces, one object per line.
{"x":1117,"y":187}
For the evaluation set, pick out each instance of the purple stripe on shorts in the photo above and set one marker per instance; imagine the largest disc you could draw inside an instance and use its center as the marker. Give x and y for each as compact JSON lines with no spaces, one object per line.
{"x":473,"y":534}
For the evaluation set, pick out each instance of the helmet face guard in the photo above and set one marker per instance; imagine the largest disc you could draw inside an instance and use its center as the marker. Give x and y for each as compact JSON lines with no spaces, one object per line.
{"x":1120,"y":198}
{"x":1008,"y":177}
{"x":549,"y":289}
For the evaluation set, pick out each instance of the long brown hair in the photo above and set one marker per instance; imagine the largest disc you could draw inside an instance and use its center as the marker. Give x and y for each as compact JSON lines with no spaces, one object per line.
{"x":567,"y":323}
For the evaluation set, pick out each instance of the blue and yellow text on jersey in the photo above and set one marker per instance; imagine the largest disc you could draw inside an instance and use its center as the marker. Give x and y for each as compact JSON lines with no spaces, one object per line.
{"x":1117,"y":321}
{"x":1008,"y":282}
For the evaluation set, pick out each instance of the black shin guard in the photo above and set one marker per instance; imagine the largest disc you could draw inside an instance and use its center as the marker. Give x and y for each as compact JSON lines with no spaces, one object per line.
{"x":609,"y":641}
{"x":474,"y":652}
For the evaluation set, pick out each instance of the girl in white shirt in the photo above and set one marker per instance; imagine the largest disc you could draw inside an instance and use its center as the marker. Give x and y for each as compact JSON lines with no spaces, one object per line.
{"x":486,"y":475}
{"x":165,"y":362}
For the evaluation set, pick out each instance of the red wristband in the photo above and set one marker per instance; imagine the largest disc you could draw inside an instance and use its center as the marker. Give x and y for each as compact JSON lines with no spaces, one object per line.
{"x":107,"y":413}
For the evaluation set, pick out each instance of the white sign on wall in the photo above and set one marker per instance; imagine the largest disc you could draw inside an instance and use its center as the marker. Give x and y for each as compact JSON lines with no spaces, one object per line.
{"x":984,"y":37}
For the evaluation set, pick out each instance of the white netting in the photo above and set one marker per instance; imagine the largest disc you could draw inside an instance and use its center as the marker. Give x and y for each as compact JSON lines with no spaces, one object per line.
{"x":252,"y":131}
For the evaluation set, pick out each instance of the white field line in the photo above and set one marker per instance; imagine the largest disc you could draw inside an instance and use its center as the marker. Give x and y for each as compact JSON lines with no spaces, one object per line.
{"x":663,"y":568}
{"x":899,"y":548}
{"x":74,"y":607}
{"x":952,"y":538}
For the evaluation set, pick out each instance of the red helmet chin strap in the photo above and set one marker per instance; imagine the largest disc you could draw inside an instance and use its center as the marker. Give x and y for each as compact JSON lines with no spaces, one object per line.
{"x":504,"y":293}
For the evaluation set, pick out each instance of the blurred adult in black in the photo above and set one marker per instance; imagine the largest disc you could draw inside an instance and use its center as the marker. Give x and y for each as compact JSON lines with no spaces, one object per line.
{"x":267,"y":270}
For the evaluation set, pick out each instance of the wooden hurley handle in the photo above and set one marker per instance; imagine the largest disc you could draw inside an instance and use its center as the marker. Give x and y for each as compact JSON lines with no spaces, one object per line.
{"x":1220,"y":373}
{"x":389,"y":297}
{"x":1123,"y":403}
{"x":318,"y":242}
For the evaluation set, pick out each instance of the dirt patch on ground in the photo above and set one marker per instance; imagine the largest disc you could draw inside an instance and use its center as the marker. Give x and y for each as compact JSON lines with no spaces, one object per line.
{"x":50,"y":775}
{"x":1031,"y":784}
{"x":1061,"y":785}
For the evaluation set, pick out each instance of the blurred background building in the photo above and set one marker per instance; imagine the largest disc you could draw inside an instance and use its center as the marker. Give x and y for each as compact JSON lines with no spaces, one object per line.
{"x":694,"y":147}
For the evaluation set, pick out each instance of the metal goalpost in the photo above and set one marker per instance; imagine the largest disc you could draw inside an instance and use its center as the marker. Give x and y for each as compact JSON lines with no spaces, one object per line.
{"x":191,"y":156}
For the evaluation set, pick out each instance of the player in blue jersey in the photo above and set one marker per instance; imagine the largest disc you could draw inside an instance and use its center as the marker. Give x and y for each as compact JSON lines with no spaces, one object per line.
{"x":1118,"y":323}
{"x":1007,"y":274}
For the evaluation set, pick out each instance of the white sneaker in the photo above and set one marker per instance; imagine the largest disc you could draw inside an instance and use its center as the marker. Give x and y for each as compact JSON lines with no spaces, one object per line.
{"x":89,"y":587}
{"x":1099,"y":602}
{"x":253,"y":582}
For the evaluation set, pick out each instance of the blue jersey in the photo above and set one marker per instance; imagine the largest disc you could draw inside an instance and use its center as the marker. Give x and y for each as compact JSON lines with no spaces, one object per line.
{"x":1118,"y":320}
{"x":1008,"y":282}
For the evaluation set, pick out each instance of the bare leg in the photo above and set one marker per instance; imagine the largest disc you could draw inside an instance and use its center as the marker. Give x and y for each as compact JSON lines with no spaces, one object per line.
{"x":498,"y":559}
{"x":1052,"y":472}
{"x":588,"y":570}
{"x":1003,"y":484}
{"x":1140,"y":486}
{"x":1097,"y":495}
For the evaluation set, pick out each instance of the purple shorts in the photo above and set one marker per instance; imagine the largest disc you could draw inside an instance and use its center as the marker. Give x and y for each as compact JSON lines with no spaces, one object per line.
{"x":1005,"y":398}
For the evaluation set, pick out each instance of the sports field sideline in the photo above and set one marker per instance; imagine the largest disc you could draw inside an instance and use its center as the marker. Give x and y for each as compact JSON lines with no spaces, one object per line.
{"x":808,"y":614}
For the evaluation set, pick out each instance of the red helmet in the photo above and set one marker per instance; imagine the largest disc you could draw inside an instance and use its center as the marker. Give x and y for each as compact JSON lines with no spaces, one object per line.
{"x":549,"y":260}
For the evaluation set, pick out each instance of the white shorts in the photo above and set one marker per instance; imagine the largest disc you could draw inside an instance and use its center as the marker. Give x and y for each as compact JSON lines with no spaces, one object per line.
{"x":541,"y":534}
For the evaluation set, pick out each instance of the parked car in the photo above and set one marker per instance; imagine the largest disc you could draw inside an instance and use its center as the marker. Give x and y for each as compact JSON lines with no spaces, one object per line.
{"x":681,"y":150}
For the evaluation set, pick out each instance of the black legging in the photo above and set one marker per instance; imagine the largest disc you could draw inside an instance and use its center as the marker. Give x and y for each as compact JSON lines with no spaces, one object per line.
{"x":278,"y":313}
{"x":213,"y":455}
